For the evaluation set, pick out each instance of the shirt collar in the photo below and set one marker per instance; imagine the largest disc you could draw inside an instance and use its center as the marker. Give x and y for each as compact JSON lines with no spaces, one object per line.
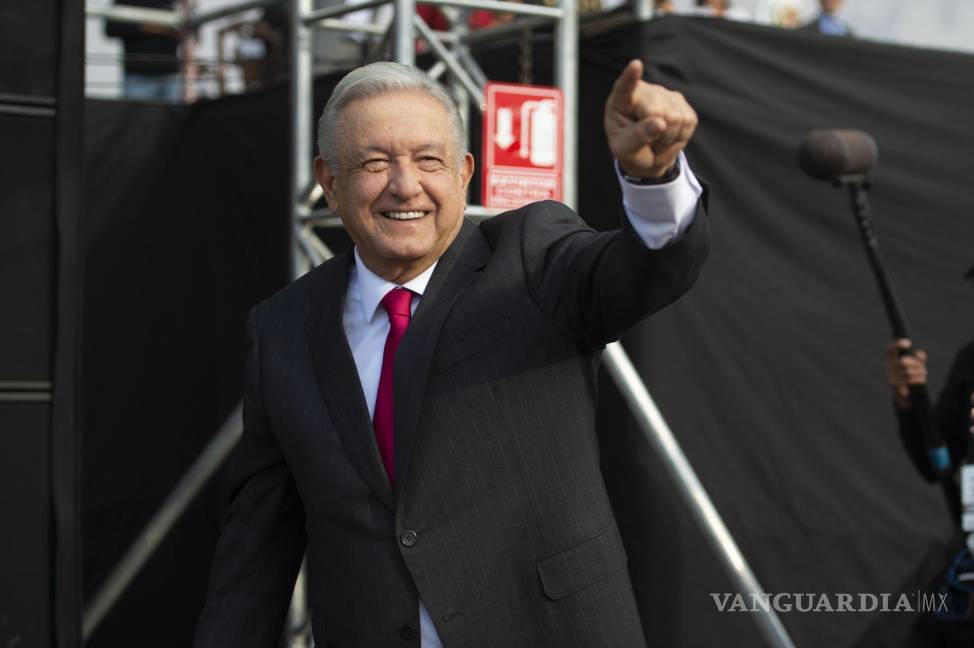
{"x":372,"y":288}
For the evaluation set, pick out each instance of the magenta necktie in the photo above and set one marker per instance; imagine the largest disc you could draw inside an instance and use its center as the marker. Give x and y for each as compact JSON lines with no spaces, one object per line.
{"x":397,"y":303}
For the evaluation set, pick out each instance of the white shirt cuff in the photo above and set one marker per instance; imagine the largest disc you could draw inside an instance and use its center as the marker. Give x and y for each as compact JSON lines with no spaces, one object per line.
{"x":661,"y":212}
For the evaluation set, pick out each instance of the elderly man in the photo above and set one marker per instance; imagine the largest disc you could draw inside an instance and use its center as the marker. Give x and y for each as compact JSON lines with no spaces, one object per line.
{"x":419,"y":411}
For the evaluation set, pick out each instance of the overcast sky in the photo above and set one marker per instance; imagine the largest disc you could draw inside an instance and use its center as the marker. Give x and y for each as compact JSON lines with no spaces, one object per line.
{"x":944,"y":24}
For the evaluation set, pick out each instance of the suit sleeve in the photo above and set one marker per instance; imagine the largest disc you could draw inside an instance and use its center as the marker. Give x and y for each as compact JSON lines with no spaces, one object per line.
{"x":596,"y":286}
{"x":262,"y":541}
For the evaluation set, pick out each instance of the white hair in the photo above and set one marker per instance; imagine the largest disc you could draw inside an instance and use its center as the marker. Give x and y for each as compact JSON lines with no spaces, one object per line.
{"x":373,"y":80}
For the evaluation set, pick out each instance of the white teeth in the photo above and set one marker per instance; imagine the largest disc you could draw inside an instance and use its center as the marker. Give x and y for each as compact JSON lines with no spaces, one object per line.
{"x":404,"y":215}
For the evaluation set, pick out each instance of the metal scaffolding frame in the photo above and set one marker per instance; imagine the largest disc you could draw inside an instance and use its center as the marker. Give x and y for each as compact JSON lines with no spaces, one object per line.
{"x":451,"y":49}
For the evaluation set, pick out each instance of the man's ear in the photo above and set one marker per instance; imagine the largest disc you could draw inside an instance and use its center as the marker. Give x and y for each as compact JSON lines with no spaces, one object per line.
{"x":466,"y":170}
{"x":326,"y":179}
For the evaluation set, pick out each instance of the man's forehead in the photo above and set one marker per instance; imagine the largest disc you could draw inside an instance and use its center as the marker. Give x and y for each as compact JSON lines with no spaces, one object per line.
{"x":397,"y":103}
{"x":396,"y":123}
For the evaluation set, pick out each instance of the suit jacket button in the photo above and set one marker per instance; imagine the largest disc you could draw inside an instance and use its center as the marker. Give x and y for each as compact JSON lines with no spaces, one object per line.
{"x":408,"y":538}
{"x":407,"y":632}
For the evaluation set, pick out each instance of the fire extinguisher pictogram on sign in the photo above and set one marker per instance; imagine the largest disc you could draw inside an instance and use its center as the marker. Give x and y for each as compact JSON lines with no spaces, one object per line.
{"x":539,"y":125}
{"x":522,"y":145}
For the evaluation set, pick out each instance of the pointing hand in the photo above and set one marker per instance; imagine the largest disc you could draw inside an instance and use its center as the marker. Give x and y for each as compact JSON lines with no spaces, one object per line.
{"x":646,"y":125}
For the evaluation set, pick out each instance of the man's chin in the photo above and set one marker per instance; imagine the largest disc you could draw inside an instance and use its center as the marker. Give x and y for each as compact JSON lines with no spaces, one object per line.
{"x":405,"y":252}
{"x":398,"y":260}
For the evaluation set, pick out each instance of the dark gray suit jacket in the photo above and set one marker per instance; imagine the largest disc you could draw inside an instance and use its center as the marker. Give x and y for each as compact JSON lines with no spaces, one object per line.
{"x":500,"y":520}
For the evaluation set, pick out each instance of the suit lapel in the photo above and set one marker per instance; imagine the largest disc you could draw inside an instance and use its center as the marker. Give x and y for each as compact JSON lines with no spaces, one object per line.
{"x":455,"y":270}
{"x":337,"y":374}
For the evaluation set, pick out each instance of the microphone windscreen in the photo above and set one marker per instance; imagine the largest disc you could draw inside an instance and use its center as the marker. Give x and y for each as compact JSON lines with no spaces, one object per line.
{"x":830,"y":154}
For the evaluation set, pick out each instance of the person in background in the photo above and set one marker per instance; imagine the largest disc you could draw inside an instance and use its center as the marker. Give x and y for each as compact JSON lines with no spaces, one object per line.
{"x":953,"y":417}
{"x":718,"y":9}
{"x":263,"y":49}
{"x":661,"y":7}
{"x":151,"y":67}
{"x":952,"y":414}
{"x":828,"y":22}
{"x":786,"y":14}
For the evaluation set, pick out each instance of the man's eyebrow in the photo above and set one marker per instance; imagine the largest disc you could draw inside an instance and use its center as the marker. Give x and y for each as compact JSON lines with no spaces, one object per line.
{"x":369,"y":150}
{"x":355,"y":158}
{"x":430,"y":146}
{"x":361,"y":154}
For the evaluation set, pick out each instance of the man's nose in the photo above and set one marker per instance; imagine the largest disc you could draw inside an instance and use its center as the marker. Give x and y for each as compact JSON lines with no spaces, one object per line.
{"x":406,"y":180}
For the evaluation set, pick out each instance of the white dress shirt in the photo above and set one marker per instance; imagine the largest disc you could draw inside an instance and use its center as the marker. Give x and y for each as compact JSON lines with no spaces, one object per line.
{"x":658,"y":213}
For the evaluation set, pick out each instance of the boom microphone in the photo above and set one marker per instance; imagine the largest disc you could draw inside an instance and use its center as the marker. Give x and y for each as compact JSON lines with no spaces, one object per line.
{"x":844,"y":157}
{"x":831,"y":154}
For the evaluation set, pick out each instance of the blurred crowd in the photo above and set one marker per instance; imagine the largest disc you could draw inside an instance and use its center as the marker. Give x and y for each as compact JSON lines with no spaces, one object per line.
{"x":786,"y":14}
{"x":257,"y":48}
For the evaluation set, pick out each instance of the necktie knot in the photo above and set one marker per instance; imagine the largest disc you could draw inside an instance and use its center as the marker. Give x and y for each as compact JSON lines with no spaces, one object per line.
{"x":397,"y":302}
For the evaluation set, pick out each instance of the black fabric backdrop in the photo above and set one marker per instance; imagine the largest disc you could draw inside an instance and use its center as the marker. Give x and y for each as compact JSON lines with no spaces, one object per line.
{"x":186,"y":228}
{"x":770,"y":372}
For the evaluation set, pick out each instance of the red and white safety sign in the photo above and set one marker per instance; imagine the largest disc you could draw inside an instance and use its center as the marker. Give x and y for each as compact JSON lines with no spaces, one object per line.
{"x":522,"y":145}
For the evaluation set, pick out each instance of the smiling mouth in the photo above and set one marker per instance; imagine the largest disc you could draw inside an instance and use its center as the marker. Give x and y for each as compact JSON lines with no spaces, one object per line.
{"x":404,"y":215}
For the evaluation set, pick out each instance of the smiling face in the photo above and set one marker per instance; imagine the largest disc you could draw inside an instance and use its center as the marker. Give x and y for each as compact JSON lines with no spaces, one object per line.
{"x":400,"y":189}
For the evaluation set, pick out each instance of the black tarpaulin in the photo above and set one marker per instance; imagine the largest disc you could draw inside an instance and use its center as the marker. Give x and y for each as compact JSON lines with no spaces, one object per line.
{"x":771,"y":372}
{"x":186,"y":224}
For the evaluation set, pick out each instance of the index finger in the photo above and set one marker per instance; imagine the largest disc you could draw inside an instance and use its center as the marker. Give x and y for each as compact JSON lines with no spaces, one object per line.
{"x":625,"y":86}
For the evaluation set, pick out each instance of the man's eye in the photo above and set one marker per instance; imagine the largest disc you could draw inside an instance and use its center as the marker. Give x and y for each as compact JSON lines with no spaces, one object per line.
{"x":430,"y":163}
{"x":376,"y":164}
